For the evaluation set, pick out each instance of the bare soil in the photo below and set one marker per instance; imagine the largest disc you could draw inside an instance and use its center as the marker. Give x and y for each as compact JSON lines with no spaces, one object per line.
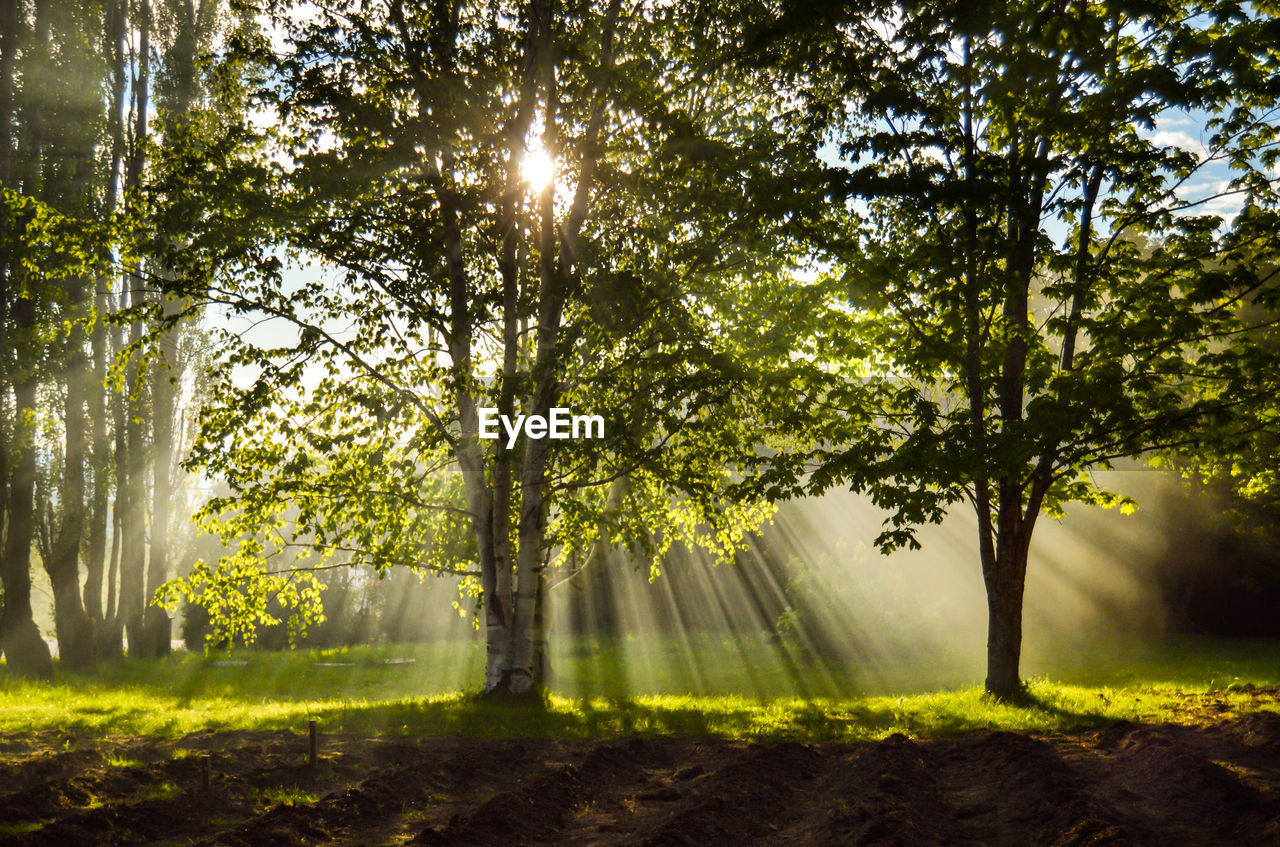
{"x":1126,"y":784}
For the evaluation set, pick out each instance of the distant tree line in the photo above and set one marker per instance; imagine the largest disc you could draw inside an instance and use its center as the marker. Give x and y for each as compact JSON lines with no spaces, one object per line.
{"x":97,"y":389}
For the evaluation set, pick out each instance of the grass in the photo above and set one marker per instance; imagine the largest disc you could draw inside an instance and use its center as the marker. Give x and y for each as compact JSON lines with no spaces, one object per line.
{"x":122,"y":762}
{"x":356,"y":691}
{"x":20,"y":828}
{"x":285,"y":795}
{"x":156,"y":791}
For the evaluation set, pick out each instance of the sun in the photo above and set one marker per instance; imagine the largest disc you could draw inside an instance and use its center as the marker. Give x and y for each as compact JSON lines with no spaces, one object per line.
{"x":538,"y":168}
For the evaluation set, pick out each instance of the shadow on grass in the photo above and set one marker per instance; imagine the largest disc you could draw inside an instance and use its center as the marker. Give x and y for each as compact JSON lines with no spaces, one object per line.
{"x":1076,"y":719}
{"x":150,"y":710}
{"x":470,"y":715}
{"x":734,"y":718}
{"x":359,"y":691}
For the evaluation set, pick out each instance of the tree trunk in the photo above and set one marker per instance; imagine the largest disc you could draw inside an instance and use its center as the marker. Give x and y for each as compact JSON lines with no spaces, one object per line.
{"x":96,"y":556}
{"x":26,"y":652}
{"x":194,"y":26}
{"x":531,"y":528}
{"x":495,"y":584}
{"x":159,"y":629}
{"x":524,"y":678}
{"x":553,"y":279}
{"x":24,"y":648}
{"x":8,"y":48}
{"x":100,"y":456}
{"x":500,"y":590}
{"x":541,"y":651}
{"x":1005,"y":582}
{"x":133,"y":516}
{"x":4,"y":470}
{"x":133,"y":523}
{"x":111,"y":634}
{"x":74,"y":630}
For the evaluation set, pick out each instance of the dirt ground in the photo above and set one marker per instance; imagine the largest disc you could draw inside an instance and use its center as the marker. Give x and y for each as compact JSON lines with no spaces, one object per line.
{"x":1127,"y":784}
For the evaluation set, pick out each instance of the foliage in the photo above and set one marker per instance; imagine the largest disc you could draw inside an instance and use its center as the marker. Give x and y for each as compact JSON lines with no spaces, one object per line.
{"x":1025,"y":286}
{"x":442,"y":282}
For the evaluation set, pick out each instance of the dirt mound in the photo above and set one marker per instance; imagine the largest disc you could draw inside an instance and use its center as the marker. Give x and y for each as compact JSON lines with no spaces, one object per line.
{"x":744,"y":800}
{"x":1259,"y":730}
{"x":45,"y":784}
{"x":1017,"y":783}
{"x":543,"y":805}
{"x":888,"y":794}
{"x":1126,"y":784}
{"x":1173,"y":770}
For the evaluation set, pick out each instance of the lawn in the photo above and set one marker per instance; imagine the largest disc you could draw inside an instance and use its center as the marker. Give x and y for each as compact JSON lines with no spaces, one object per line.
{"x":417,"y":690}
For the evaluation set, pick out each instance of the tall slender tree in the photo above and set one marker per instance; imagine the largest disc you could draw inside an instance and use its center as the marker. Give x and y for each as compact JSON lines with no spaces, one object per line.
{"x":187,"y":27}
{"x":25,"y":650}
{"x":52,"y":243}
{"x":114,"y":52}
{"x":74,"y":107}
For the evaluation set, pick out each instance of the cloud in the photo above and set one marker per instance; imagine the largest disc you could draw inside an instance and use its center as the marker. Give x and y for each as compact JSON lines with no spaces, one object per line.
{"x":1179,"y":139}
{"x":1174,"y":120}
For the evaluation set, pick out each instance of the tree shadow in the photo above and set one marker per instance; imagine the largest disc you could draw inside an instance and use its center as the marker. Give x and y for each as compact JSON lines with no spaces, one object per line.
{"x":1071,"y":717}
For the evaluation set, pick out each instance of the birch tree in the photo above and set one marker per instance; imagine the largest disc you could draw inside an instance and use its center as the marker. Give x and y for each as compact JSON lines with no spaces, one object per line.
{"x":531,"y":206}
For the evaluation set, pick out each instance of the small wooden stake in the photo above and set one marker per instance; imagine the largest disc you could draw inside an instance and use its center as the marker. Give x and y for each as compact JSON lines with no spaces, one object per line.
{"x":204,"y":772}
{"x":311,"y":728}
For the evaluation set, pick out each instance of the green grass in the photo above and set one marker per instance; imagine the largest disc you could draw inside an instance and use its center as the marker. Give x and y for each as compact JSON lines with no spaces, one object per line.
{"x":285,"y":795}
{"x":355,"y":690}
{"x":156,"y":791}
{"x":20,"y":828}
{"x":122,"y":762}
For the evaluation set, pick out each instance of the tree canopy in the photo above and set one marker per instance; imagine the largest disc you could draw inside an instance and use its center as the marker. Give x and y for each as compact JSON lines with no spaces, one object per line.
{"x":402,"y":137}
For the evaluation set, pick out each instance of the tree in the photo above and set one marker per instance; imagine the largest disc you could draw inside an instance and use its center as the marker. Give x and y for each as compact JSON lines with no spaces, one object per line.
{"x":80,"y":120}
{"x":1027,"y":282}
{"x":413,"y":136}
{"x":1237,"y":462}
{"x":51,"y":244}
{"x":187,"y":27}
{"x":22,"y":643}
{"x":67,"y":66}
